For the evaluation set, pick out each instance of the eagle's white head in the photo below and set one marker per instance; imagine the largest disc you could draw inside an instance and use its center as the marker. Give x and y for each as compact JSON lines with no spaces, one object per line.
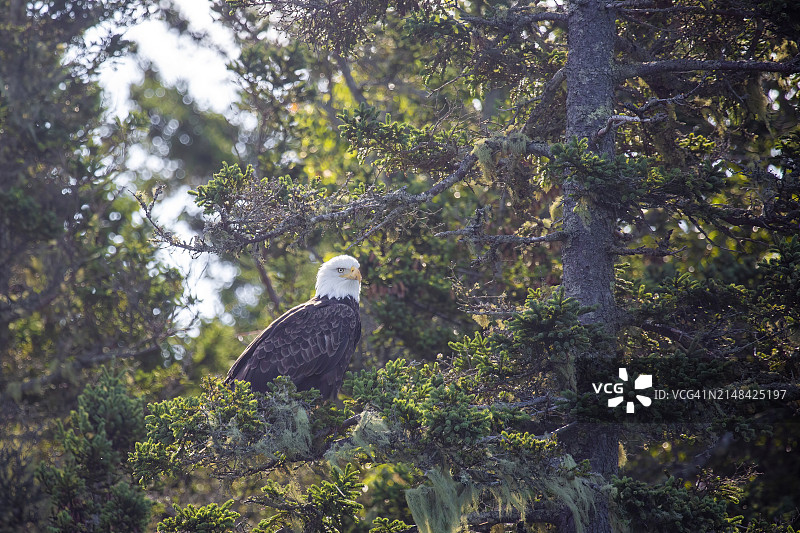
{"x":339,"y":278}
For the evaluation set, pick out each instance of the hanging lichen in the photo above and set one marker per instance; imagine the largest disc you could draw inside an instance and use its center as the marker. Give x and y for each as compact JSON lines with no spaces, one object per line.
{"x":288,"y":433}
{"x":488,"y":151}
{"x":572,"y":490}
{"x":444,"y":503}
{"x":441,"y":506}
{"x":370,"y":437}
{"x":485,"y":154}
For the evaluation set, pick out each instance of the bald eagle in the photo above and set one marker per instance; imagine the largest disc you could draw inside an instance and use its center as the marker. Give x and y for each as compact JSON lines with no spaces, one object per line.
{"x":312,"y":343}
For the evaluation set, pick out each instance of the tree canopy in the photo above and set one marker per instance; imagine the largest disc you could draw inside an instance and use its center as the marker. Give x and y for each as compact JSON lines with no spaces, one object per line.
{"x":551,"y":201}
{"x":661,"y":134}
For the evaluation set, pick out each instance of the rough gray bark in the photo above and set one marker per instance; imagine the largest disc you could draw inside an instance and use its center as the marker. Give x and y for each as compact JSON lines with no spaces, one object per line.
{"x":587,"y":259}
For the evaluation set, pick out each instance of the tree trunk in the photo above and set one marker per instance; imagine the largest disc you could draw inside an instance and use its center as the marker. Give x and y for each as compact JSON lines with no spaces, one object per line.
{"x":587,"y":261}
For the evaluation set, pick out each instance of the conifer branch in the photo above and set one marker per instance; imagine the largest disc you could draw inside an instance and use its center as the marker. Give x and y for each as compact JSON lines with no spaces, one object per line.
{"x":646,"y":8}
{"x":689,"y":65}
{"x":548,"y":93}
{"x":82,"y":362}
{"x":381,"y":210}
{"x":661,"y":250}
{"x":510,"y":24}
{"x":478,"y":237}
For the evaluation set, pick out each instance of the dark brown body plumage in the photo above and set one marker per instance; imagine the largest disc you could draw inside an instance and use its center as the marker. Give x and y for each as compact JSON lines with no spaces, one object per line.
{"x":311,"y":343}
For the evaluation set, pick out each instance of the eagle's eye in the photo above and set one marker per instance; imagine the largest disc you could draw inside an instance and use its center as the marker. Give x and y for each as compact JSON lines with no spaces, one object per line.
{"x":339,"y":270}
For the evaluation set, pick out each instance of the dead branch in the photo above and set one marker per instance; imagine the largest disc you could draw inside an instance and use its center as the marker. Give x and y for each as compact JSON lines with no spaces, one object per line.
{"x":514,"y":21}
{"x":486,"y":520}
{"x":267,"y":282}
{"x":247,"y":228}
{"x":646,"y":251}
{"x":670,"y":332}
{"x":661,"y":250}
{"x":615,"y":121}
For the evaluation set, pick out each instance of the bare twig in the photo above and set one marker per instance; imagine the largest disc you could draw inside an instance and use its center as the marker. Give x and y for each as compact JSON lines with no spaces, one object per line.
{"x":677,"y":335}
{"x":267,"y":282}
{"x":615,"y":121}
{"x":646,"y":251}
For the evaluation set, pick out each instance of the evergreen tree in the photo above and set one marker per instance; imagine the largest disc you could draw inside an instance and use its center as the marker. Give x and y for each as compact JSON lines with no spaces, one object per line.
{"x":89,"y":487}
{"x":660,"y":132}
{"x":80,"y":283}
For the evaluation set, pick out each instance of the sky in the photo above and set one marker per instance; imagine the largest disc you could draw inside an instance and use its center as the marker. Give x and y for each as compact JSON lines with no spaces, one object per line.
{"x":211,"y":86}
{"x":177,"y":58}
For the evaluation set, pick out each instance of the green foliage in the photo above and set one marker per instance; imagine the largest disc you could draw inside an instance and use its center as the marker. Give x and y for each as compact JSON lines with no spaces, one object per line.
{"x":478,"y":353}
{"x":34,"y":221}
{"x":418,"y":399}
{"x":334,"y":29}
{"x":711,"y":168}
{"x":549,"y":328}
{"x":328,"y":507}
{"x":540,"y":339}
{"x":385,"y":495}
{"x":488,"y":56}
{"x":21,"y":497}
{"x":779,"y":292}
{"x":409,"y":284}
{"x":227,"y":426}
{"x":761,"y":526}
{"x":211,"y":518}
{"x":633,"y":183}
{"x":80,"y":283}
{"x":220,"y":193}
{"x":668,"y":507}
{"x":427,"y":409}
{"x":697,"y":143}
{"x":396,"y":145}
{"x":383,"y":525}
{"x":177,"y":128}
{"x":88,"y":491}
{"x":223,"y":194}
{"x":79,"y":280}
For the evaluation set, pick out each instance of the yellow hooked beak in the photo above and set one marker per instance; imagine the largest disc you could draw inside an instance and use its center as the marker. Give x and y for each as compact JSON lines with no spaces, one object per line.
{"x":353,"y":274}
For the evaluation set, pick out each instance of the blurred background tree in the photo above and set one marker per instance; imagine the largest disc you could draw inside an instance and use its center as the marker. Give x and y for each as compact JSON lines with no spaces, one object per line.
{"x":80,"y":283}
{"x":404,"y":100}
